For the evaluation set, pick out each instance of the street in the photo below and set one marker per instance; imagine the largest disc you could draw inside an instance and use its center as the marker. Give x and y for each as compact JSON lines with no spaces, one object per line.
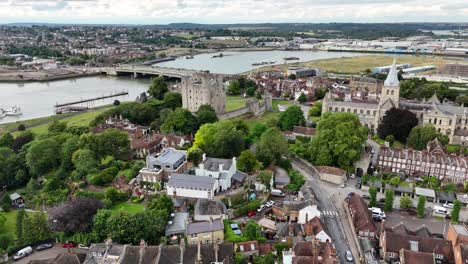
{"x":340,"y":233}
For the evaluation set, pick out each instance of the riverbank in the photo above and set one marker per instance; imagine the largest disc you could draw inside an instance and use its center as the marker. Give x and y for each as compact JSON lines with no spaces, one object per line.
{"x":40,"y":125}
{"x":20,"y":76}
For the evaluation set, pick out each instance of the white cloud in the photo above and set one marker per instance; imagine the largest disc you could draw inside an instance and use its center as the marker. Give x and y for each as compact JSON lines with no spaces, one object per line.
{"x":231,"y":11}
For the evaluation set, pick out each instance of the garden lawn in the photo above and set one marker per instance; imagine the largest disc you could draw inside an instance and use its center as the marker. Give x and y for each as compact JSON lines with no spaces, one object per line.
{"x":10,"y":225}
{"x":275,"y":104}
{"x":129,"y":207}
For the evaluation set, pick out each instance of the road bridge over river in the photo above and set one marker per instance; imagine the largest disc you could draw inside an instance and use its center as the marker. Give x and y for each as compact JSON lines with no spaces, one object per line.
{"x":139,"y":71}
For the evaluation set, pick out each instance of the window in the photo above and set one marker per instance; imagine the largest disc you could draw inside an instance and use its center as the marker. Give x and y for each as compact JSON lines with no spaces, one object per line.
{"x":252,"y":247}
{"x":241,"y":248}
{"x":439,"y":256}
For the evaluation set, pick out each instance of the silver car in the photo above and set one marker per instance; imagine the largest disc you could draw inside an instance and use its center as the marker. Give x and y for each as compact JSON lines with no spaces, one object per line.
{"x":349,"y":256}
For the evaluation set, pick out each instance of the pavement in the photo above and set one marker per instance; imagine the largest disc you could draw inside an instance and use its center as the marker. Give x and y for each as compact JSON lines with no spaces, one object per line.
{"x":48,"y":254}
{"x":340,"y":231}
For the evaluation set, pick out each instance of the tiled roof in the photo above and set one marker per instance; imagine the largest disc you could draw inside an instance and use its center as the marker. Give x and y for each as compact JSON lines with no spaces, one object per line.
{"x":204,"y":227}
{"x":362,"y":218}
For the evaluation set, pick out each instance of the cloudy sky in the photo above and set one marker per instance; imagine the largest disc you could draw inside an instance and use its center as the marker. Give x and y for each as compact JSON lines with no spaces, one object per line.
{"x":231,"y":11}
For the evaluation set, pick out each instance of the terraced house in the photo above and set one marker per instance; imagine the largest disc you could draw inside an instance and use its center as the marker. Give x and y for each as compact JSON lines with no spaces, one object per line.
{"x":433,"y":161}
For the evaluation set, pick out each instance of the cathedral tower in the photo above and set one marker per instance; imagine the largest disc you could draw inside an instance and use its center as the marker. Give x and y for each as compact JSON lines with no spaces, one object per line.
{"x":391,"y":88}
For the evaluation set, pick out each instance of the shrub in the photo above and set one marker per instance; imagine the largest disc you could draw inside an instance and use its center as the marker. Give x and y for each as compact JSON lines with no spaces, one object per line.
{"x":241,"y":211}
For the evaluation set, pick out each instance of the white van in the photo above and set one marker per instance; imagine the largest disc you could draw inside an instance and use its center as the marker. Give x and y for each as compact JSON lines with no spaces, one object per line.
{"x":276,"y":192}
{"x":440,"y":210}
{"x":377,"y":213}
{"x":23,"y":253}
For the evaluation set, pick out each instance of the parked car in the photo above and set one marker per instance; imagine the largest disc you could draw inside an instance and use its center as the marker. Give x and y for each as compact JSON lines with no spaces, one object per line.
{"x":343,"y":185}
{"x":349,"y":256}
{"x":377,"y":214}
{"x":353,"y":176}
{"x":261,"y":208}
{"x":69,"y":244}
{"x":365,"y":196}
{"x":382,"y":200}
{"x":23,"y":253}
{"x":270,"y":203}
{"x":448,"y":205}
{"x":276,"y":192}
{"x":251,"y":213}
{"x":44,"y":246}
{"x":82,"y":246}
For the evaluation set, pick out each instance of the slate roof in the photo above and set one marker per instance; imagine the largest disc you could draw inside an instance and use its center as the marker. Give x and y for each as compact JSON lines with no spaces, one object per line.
{"x":133,"y":255}
{"x":238,"y":176}
{"x":396,"y":239}
{"x":413,"y":257}
{"x":212,"y":164}
{"x":170,"y":254}
{"x":424,"y":192}
{"x":204,"y":227}
{"x":188,"y":181}
{"x":209,"y":207}
{"x":450,"y":197}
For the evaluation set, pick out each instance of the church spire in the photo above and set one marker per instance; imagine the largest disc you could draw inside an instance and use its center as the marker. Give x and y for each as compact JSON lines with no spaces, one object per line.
{"x":392,"y":77}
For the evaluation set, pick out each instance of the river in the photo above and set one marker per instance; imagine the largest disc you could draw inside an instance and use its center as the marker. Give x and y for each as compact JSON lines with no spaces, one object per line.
{"x":37,"y":99}
{"x":238,"y":62}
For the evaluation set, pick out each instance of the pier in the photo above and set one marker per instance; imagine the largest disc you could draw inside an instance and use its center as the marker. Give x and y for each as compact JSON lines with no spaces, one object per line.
{"x":91,"y":99}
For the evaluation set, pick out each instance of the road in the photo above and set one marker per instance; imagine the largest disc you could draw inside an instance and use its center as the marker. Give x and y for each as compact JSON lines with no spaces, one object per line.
{"x":335,"y":225}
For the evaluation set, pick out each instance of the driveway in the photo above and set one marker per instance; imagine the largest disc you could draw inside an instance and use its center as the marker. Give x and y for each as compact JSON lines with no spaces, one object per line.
{"x":48,"y":254}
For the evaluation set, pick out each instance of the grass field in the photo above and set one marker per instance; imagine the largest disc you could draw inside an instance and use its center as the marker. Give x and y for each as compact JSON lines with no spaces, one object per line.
{"x":235,"y":102}
{"x":10,"y":225}
{"x":275,"y":104}
{"x":40,"y":125}
{"x":129,"y":207}
{"x":362,"y":63}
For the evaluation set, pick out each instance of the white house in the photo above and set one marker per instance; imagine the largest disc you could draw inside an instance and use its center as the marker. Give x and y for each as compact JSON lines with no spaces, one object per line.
{"x":221,"y":170}
{"x":307,"y":213}
{"x":191,"y":186}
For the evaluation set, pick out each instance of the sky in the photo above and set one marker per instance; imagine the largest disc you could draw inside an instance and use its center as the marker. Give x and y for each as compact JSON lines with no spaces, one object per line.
{"x":231,"y":11}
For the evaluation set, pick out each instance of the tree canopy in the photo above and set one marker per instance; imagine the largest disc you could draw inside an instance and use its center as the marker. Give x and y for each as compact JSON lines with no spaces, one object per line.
{"x":339,"y":141}
{"x":293,"y":116}
{"x":180,"y":121}
{"x":423,"y":134}
{"x":158,"y":88}
{"x":397,"y":122}
{"x":271,"y":147}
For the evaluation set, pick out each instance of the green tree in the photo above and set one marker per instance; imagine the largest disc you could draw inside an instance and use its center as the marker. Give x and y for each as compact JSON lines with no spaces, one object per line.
{"x":316,"y":110}
{"x":265,"y":178}
{"x":292,"y":77}
{"x":42,"y":156}
{"x":398,"y":123}
{"x":296,"y":182}
{"x":195,"y":155}
{"x":247,"y":161}
{"x":339,"y":140}
{"x":406,"y":202}
{"x":68,"y":148}
{"x":180,"y":121}
{"x":395,"y":181}
{"x":450,"y":187}
{"x":373,"y":196}
{"x":160,"y":202}
{"x":456,"y":211}
{"x":111,"y":142}
{"x":5,"y":241}
{"x":38,"y":223}
{"x":389,"y":200}
{"x":271,"y":147}
{"x":7,"y":140}
{"x":265,"y":259}
{"x":100,"y":228}
{"x":390,"y":139}
{"x":252,"y":231}
{"x":421,"y":207}
{"x":302,"y":98}
{"x":158,"y":88}
{"x":223,"y":139}
{"x":234,"y":88}
{"x":423,"y":134}
{"x":206,"y":114}
{"x":85,"y":162}
{"x":19,"y":224}
{"x":56,"y":126}
{"x":293,"y":116}
{"x":257,"y":130}
{"x":172,"y":100}
{"x":6,"y":203}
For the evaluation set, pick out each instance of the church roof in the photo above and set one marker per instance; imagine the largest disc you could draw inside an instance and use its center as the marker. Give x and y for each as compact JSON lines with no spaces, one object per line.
{"x":392,"y":77}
